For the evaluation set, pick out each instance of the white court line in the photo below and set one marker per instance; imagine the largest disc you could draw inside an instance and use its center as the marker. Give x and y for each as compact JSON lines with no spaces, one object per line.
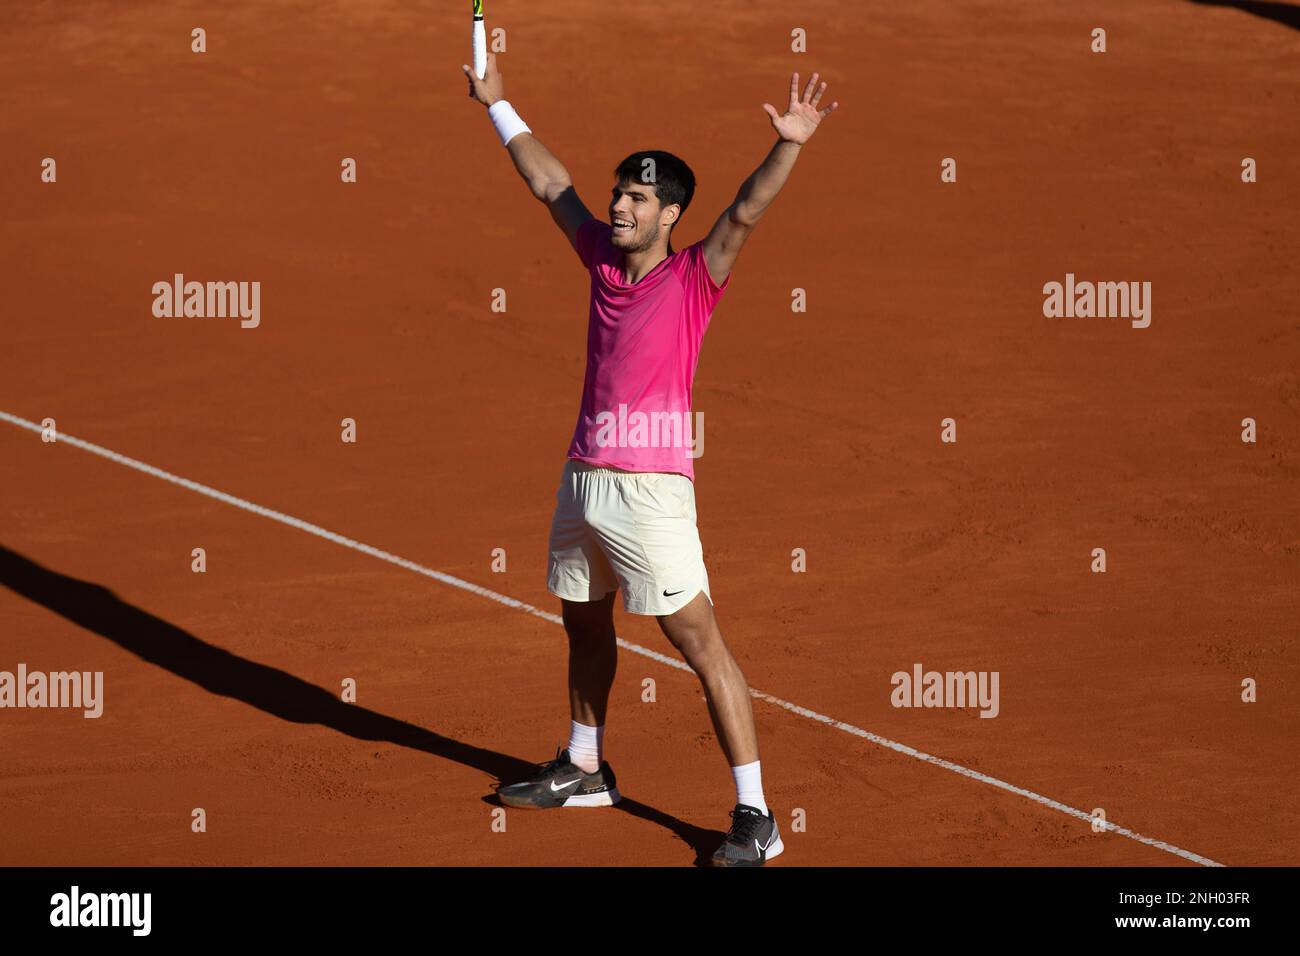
{"x":555,"y":619}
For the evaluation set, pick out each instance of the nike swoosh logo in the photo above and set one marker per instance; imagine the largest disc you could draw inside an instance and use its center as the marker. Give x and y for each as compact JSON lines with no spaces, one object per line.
{"x":674,"y":593}
{"x":564,"y":786}
{"x":763,"y":849}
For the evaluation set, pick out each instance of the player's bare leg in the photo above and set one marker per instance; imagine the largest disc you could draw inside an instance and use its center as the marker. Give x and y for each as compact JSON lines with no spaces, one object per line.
{"x":754,"y":838}
{"x":694,"y":631}
{"x":577,"y":777}
{"x":593,"y":657}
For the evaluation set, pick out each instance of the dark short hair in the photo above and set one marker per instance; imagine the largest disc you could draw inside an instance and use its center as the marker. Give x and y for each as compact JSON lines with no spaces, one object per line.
{"x":673,"y":180}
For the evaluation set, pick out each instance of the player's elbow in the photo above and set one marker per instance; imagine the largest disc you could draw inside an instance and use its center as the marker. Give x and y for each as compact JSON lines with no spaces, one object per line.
{"x":743,"y":215}
{"x":550,"y":188}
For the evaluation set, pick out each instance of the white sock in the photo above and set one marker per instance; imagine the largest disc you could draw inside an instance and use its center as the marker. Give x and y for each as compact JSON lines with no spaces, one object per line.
{"x":749,"y":785}
{"x":586,"y":744}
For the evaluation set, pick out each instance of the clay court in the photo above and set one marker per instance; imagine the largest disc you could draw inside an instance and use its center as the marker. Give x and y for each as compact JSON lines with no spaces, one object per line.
{"x":1119,"y":690}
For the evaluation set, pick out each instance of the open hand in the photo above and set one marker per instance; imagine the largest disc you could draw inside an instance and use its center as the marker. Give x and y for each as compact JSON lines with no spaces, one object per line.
{"x":800,"y":120}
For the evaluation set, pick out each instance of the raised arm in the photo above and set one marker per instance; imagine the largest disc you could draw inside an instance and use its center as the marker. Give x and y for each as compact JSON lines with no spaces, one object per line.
{"x":545,"y":175}
{"x":793,"y":129}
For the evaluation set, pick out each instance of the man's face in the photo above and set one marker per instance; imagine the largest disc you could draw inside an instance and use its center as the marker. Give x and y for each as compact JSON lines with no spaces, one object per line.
{"x":637,"y":217}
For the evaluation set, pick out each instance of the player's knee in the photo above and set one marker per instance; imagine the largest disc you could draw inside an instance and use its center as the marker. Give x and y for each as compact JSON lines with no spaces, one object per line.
{"x":588,"y":623}
{"x":695,"y":642}
{"x":586,"y":632}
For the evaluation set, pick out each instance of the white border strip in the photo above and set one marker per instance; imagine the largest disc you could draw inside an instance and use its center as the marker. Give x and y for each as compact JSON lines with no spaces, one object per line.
{"x":456,"y":582}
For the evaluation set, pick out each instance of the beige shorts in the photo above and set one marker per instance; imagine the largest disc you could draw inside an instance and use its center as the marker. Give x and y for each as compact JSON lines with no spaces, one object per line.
{"x":629,"y":530}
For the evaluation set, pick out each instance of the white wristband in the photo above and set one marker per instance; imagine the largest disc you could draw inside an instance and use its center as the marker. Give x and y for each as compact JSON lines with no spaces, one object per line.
{"x":507,"y":121}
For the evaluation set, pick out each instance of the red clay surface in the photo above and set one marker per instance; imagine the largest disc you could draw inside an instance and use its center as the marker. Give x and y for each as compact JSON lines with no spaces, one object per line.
{"x":1119,"y":691}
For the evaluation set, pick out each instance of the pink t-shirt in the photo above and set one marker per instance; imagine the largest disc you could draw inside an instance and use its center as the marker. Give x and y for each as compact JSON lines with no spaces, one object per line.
{"x":643,"y":342}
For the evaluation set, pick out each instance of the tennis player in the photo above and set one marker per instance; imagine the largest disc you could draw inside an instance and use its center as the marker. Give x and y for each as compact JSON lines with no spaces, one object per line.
{"x":625,"y":510}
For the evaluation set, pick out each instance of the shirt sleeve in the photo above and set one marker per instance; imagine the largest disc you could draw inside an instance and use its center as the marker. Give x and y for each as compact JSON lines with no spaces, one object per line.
{"x":593,"y":236}
{"x":702,"y":293}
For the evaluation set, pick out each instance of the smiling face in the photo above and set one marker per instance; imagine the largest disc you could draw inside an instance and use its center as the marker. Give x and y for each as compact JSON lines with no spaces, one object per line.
{"x":638,"y":218}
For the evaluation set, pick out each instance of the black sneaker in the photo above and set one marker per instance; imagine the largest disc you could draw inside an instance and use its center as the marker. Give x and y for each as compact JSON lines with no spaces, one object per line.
{"x":558,"y":783}
{"x":753,"y":840}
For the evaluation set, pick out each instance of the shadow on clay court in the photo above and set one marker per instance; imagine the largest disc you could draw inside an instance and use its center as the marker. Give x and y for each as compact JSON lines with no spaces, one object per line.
{"x":1268,"y":9}
{"x":269,"y":689}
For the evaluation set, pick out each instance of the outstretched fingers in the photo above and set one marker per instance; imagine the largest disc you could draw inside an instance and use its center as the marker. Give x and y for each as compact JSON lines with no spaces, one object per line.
{"x":812,"y":85}
{"x":806,"y":103}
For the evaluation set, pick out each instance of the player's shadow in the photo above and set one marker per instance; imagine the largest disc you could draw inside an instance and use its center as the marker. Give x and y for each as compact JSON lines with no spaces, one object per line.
{"x":1284,"y":13}
{"x":276,"y":692}
{"x":703,"y":841}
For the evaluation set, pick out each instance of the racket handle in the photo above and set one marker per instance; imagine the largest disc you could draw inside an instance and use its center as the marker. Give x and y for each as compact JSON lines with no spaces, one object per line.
{"x":480,"y":47}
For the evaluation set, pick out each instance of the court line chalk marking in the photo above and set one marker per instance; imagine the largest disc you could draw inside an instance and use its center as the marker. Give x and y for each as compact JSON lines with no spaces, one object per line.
{"x":469,"y":586}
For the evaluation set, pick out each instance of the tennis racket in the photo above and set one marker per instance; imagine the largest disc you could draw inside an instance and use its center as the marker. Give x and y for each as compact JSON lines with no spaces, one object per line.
{"x":480,"y":41}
